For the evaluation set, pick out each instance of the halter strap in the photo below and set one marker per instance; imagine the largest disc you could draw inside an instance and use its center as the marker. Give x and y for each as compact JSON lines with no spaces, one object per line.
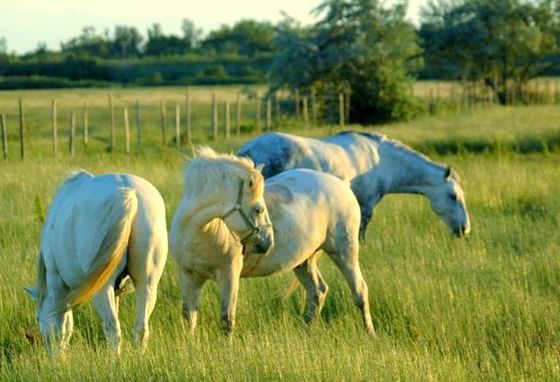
{"x":237,"y":208}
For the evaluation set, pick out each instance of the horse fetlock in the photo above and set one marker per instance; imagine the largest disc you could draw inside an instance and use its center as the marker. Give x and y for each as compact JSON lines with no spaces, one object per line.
{"x":140,"y":336}
{"x":227,"y":323}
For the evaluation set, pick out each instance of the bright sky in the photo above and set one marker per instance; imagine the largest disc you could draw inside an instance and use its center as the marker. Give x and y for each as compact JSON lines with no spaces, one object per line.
{"x":23,"y":23}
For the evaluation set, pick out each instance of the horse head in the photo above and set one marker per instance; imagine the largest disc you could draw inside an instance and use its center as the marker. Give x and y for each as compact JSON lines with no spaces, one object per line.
{"x":448,"y":201}
{"x":248,"y":218}
{"x":232,"y":190}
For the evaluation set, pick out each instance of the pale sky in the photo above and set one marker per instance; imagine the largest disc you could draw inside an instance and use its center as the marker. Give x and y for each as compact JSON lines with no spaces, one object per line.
{"x":23,"y":23}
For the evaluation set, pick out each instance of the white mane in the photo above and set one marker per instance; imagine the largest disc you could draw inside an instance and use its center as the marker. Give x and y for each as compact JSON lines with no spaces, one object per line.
{"x":382,"y":140}
{"x":209,"y":169}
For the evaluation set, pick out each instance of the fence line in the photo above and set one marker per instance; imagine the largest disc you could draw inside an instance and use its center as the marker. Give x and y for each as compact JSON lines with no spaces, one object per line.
{"x":304,"y":108}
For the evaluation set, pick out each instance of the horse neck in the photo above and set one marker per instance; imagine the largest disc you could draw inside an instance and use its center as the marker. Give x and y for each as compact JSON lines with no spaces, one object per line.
{"x":406,"y":171}
{"x":197,"y":220}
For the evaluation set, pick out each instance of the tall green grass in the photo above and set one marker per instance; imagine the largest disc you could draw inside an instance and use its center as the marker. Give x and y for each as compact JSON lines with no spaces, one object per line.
{"x":481,"y":308}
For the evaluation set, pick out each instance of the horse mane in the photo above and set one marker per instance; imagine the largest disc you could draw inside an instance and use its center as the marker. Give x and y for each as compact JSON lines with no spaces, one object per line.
{"x":382,"y":139}
{"x":209,"y":168}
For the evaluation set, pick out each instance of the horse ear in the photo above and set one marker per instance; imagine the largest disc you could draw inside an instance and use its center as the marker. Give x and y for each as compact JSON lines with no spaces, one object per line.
{"x":260,"y":167}
{"x":448,"y":172}
{"x":31,"y":291}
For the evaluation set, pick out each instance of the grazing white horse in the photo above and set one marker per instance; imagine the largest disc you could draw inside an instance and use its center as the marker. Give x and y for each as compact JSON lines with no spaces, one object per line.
{"x":100,"y":231}
{"x":310,"y":211}
{"x":222,"y":208}
{"x":373,"y":164}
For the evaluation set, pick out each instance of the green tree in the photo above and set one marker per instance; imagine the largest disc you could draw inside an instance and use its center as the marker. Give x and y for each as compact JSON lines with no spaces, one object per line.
{"x":126,"y":42}
{"x":359,"y":47}
{"x":191,"y":34}
{"x":497,"y":41}
{"x":89,"y":43}
{"x":159,"y":44}
{"x":3,"y":46}
{"x":246,"y":38}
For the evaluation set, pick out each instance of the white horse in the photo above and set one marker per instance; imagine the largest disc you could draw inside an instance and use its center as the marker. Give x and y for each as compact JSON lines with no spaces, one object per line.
{"x":373,"y":164}
{"x":310,"y":212}
{"x":222,"y":208}
{"x":100,"y":231}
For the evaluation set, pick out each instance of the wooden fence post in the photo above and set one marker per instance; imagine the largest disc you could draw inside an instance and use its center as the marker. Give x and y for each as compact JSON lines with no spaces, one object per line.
{"x":305,"y":114}
{"x":238,"y":115}
{"x":188,"y":115}
{"x":214,"y":117}
{"x":178,"y":125}
{"x":112,"y":115}
{"x":163,"y":113}
{"x":4,"y":136}
{"x":71,"y":147}
{"x":341,"y":110}
{"x":86,"y":123}
{"x":278,"y":111}
{"x":138,"y":126}
{"x":126,"y":132}
{"x":226,"y":115}
{"x":258,"y":113}
{"x":21,"y":130}
{"x":347,"y":107}
{"x":313,"y":108}
{"x":297,"y":103}
{"x":54,"y":127}
{"x":268,"y":114}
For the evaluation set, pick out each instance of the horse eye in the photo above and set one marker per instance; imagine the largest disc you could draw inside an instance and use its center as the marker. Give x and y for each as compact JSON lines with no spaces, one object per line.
{"x":259,"y":210}
{"x":453,"y":197}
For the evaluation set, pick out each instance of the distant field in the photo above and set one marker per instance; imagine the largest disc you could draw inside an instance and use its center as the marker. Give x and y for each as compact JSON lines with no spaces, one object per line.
{"x":482,"y":308}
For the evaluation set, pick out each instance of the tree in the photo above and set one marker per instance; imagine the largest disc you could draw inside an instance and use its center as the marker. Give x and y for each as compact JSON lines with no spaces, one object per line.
{"x":246,"y":38}
{"x":126,"y":42}
{"x":357,"y":46}
{"x":89,"y":43}
{"x":160,"y":45}
{"x":496,"y":41}
{"x":3,"y":46}
{"x":191,"y":34}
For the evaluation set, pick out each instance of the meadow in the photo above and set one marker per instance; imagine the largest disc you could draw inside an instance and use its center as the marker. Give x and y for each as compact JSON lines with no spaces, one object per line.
{"x":486,"y":307}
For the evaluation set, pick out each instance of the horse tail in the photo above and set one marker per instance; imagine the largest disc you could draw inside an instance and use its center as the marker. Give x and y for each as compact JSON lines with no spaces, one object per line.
{"x":110,"y":253}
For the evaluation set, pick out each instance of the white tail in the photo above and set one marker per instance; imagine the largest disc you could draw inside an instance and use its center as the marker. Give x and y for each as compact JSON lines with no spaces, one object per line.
{"x":110,"y":253}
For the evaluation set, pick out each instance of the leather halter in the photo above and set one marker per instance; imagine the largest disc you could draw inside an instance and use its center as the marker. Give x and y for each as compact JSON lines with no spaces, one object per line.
{"x":255,"y":229}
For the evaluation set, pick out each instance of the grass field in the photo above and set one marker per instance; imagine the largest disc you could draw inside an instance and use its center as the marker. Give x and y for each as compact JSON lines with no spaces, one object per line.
{"x":486,"y":307}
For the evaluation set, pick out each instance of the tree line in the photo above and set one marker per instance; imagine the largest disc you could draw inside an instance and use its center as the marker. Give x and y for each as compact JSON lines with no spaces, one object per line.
{"x":363,"y":48}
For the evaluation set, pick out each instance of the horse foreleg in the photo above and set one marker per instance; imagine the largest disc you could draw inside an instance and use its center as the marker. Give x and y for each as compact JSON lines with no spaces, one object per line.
{"x":228,"y":282}
{"x":105,"y":305}
{"x":315,"y":286}
{"x":191,"y":287}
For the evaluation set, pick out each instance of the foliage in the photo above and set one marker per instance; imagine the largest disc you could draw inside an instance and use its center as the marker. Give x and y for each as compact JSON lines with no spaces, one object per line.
{"x":358,"y":47}
{"x":245,"y":38}
{"x":498,"y":42}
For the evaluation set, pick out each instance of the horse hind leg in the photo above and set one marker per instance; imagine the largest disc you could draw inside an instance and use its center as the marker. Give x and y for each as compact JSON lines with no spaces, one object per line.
{"x":105,"y":304}
{"x":346,"y":259}
{"x":315,"y":286}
